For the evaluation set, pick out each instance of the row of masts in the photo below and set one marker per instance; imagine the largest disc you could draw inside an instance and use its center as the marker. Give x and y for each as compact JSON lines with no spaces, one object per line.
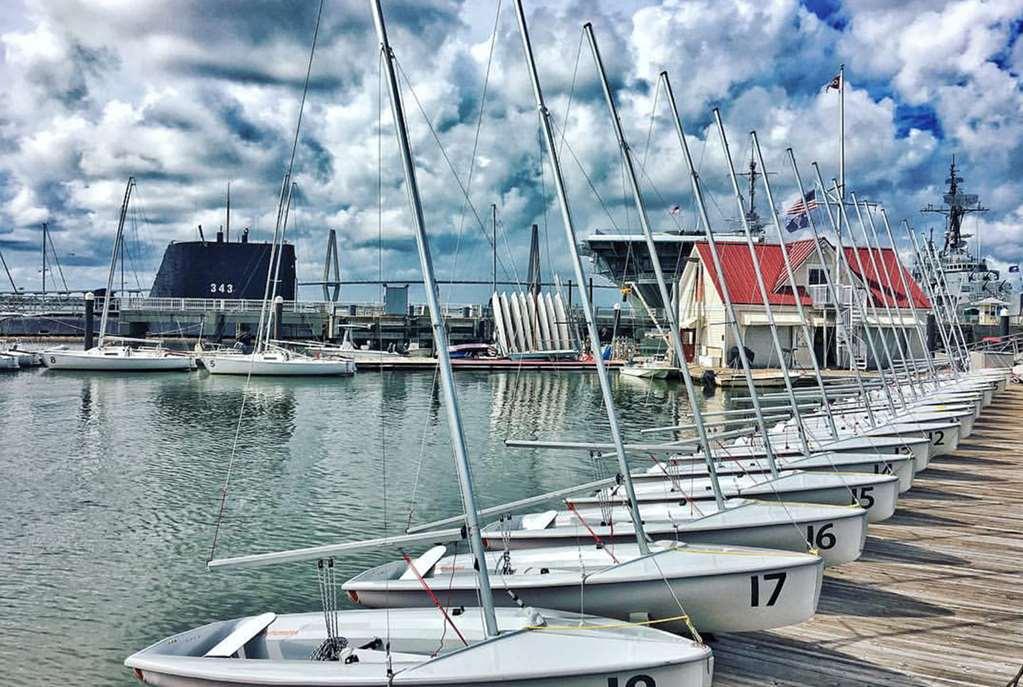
{"x":906,"y":380}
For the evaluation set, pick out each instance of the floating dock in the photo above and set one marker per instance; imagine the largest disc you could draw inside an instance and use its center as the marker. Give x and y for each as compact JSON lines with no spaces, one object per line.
{"x":936,"y":598}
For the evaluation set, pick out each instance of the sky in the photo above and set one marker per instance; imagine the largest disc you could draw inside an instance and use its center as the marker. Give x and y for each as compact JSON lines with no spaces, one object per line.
{"x":188,"y":96}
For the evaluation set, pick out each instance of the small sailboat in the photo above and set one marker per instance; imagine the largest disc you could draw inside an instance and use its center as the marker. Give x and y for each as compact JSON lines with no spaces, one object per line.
{"x":276,"y":361}
{"x":428,"y":647}
{"x":269,"y":358}
{"x":709,"y":583}
{"x":647,"y":369}
{"x":124,"y":354}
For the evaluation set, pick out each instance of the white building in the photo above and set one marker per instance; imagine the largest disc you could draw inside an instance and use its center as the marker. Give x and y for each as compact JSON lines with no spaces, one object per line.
{"x":710,"y":340}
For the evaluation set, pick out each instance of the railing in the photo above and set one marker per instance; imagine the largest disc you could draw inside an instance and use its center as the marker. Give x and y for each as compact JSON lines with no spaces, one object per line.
{"x":42,"y":303}
{"x":820,"y":295}
{"x":229,"y":305}
{"x":74,"y":304}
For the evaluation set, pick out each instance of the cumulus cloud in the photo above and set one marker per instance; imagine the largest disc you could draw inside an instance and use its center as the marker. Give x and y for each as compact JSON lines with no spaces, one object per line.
{"x":189,"y":96}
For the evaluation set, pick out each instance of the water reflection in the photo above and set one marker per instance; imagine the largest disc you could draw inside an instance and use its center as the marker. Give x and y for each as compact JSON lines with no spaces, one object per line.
{"x":104,"y":534}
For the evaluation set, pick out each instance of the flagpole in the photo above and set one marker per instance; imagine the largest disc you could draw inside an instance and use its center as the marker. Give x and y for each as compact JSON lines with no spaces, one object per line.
{"x":841,"y":129}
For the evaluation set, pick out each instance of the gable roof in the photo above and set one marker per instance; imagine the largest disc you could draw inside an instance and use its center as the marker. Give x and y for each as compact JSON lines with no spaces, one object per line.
{"x":741,"y":277}
{"x":742,"y":282}
{"x":888,"y":265}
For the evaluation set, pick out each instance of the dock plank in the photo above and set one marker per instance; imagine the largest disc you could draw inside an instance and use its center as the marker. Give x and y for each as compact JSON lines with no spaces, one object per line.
{"x":937,"y":597}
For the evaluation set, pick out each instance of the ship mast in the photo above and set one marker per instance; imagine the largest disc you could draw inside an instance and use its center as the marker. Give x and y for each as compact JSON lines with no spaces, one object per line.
{"x":957,"y":205}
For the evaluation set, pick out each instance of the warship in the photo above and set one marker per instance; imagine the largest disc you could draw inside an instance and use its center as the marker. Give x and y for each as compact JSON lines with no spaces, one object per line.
{"x":971,"y":283}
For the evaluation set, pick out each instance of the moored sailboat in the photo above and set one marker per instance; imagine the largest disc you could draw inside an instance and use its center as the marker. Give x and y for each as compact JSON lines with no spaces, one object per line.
{"x":497,"y":647}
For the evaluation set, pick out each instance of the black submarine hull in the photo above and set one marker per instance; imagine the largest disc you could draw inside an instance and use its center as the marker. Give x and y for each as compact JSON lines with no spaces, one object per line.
{"x":218,"y":269}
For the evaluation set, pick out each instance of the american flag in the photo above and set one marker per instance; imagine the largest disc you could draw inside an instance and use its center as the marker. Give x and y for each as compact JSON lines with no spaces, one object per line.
{"x":675,"y":209}
{"x":796,"y":214}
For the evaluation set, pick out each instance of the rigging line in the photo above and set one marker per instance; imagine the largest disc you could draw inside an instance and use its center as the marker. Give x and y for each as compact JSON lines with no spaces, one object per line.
{"x":659,"y":195}
{"x":653,"y":118}
{"x":476,"y":136}
{"x":571,"y":91}
{"x":56,"y":259}
{"x":433,"y":597}
{"x":305,"y":89}
{"x":589,"y":181}
{"x":444,"y":154}
{"x":248,"y":376}
{"x":14,"y":287}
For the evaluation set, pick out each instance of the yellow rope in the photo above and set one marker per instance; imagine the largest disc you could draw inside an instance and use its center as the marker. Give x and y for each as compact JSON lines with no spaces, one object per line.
{"x":609,"y":626}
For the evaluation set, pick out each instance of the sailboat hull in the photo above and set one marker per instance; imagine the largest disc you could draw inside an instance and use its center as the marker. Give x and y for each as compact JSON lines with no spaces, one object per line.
{"x":902,"y":466}
{"x":721,"y":589}
{"x":570,"y":651}
{"x":138,"y":361}
{"x":643,"y":372}
{"x":878,"y":494}
{"x":305,"y":367}
{"x":837,"y":532}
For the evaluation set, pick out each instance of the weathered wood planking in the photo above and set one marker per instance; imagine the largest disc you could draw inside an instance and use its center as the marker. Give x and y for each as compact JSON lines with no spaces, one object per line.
{"x":936,"y":599}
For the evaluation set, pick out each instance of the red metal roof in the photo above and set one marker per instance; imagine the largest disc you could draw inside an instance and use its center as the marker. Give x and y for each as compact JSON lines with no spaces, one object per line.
{"x":742,"y":282}
{"x":742,"y":279}
{"x":887,"y":264}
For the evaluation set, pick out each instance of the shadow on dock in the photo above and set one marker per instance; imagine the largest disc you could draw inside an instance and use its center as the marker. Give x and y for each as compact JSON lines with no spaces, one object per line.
{"x":935,"y":598}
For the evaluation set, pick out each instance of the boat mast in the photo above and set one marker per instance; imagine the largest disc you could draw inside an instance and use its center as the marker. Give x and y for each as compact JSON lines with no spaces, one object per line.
{"x":44,"y":258}
{"x":227,"y":234}
{"x":272,"y":314}
{"x":440,"y":336}
{"x":803,"y":320}
{"x":864,"y":276}
{"x":14,"y":287}
{"x":897,"y":333}
{"x":909,"y":297}
{"x":833,"y":291}
{"x":669,"y":304}
{"x":577,"y":268}
{"x":939,"y":320}
{"x":263,"y":314}
{"x":113,"y":262}
{"x":958,"y":337}
{"x":762,"y":287}
{"x":882,"y":297}
{"x":694,"y":177}
{"x":841,"y":259}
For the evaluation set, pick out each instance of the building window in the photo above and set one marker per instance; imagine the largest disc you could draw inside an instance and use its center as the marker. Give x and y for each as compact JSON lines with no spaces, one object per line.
{"x":817,"y":276}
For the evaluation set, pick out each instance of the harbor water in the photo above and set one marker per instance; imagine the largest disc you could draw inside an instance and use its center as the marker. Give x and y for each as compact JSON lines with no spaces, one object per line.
{"x":111,"y":487}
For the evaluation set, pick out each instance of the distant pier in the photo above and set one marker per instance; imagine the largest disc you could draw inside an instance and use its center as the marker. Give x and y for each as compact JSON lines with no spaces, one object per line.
{"x":216,"y":318}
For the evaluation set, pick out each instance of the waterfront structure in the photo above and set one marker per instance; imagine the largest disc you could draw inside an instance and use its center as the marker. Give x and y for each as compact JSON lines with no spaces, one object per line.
{"x":704,"y":323}
{"x":971,"y":284}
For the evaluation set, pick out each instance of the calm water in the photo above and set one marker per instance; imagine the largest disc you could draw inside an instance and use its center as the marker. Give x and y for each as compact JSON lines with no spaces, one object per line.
{"x":111,"y":482}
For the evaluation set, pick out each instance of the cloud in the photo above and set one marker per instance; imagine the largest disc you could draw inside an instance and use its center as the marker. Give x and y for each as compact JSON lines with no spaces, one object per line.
{"x":189,"y":96}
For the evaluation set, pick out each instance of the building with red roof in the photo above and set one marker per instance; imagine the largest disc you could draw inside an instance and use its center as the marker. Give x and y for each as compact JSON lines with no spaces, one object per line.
{"x":886,"y":306}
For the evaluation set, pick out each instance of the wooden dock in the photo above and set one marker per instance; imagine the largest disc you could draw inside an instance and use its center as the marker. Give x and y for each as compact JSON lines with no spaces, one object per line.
{"x":937,"y":597}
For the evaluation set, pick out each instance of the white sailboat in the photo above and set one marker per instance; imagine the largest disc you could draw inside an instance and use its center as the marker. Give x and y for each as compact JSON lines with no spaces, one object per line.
{"x":647,"y":369}
{"x":268,"y":358}
{"x":121,"y":356}
{"x":485,"y":646}
{"x":275,"y":362}
{"x":710,"y":583}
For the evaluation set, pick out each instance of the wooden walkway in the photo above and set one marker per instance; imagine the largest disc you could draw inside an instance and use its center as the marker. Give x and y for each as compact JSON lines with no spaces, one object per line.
{"x":936,"y":598}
